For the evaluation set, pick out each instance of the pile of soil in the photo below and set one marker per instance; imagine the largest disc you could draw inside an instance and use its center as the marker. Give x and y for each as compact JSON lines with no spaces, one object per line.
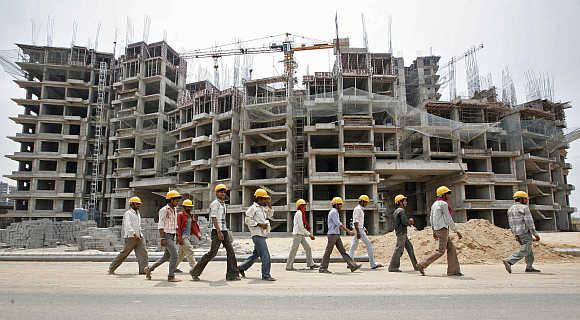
{"x":482,"y":243}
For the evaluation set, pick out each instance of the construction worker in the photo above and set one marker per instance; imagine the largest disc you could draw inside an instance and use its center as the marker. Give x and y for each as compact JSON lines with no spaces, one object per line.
{"x":300,"y":231}
{"x":523,"y":228}
{"x":133,"y":235}
{"x":167,"y":226}
{"x":256,"y":219}
{"x":401,"y":222}
{"x":219,"y":235}
{"x":187,"y":227}
{"x":441,"y":222}
{"x":360,"y":232}
{"x":333,"y":235}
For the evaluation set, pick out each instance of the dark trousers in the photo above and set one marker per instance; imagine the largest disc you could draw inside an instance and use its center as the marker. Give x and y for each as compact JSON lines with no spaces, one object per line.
{"x":232,"y":268}
{"x":140,"y":252}
{"x":260,"y":251}
{"x":170,"y":254}
{"x":403,"y":243}
{"x":335,"y":241}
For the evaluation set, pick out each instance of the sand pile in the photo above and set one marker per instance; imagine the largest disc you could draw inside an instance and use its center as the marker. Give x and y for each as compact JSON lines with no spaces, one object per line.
{"x":482,"y":242}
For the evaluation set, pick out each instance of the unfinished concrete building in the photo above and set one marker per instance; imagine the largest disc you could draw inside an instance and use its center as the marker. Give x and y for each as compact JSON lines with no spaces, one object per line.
{"x":59,"y":121}
{"x":370,"y":126}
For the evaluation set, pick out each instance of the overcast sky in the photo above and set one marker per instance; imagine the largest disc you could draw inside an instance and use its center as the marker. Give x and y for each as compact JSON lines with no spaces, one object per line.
{"x":522,"y":35}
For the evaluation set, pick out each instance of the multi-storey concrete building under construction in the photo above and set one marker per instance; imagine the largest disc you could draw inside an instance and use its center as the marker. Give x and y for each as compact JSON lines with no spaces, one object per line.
{"x":370,"y":126}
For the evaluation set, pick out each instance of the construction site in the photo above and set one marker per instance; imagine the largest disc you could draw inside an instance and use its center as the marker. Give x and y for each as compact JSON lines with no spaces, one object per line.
{"x":100,"y":127}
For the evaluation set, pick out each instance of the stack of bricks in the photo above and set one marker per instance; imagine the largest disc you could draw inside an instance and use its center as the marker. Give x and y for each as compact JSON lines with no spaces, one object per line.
{"x":102,"y":239}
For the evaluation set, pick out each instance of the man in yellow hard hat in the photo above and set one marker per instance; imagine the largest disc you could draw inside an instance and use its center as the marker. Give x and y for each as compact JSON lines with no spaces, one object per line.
{"x":401,"y":222}
{"x":333,"y":236}
{"x":167,"y":226}
{"x":187,"y":227}
{"x":522,"y":226}
{"x":360,"y":232}
{"x":219,"y":235}
{"x":300,"y":230}
{"x":133,"y":235}
{"x":441,"y":222}
{"x":256,"y":219}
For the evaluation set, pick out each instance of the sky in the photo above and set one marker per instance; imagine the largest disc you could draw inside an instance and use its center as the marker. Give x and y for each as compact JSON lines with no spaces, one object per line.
{"x":521,"y":35}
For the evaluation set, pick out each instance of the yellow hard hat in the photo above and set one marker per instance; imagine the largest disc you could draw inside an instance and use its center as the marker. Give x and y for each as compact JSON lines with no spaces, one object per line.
{"x":300,"y":202}
{"x":399,"y":198}
{"x":442,"y":190}
{"x":520,"y":194}
{"x":172,"y":194}
{"x":336,"y":200}
{"x":219,"y":187}
{"x":187,"y":203}
{"x":364,"y":197}
{"x":261,"y":193}
{"x":135,"y":200}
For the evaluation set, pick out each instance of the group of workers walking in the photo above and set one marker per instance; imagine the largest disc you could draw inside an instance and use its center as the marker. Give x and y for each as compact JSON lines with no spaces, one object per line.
{"x":177,"y":229}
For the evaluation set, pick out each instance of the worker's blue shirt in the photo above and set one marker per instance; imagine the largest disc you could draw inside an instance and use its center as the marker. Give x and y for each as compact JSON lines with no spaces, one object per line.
{"x":333,"y":222}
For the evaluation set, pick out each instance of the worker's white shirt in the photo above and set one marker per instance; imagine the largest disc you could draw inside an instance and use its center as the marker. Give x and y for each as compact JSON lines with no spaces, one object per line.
{"x":167,"y":220}
{"x":257,"y":214}
{"x":298,"y":228}
{"x":218,"y":210}
{"x":132,"y":224}
{"x":440,"y":216}
{"x":358,"y":215}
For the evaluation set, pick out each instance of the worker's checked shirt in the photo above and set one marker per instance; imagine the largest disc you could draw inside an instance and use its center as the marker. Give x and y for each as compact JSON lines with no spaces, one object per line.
{"x":257,"y":214}
{"x":132,"y":224}
{"x":401,"y":221}
{"x":520,"y":220}
{"x":167,"y":219}
{"x":358,"y":215}
{"x":217,"y":209}
{"x":333,"y":222}
{"x":440,"y":216}
{"x":298,"y":228}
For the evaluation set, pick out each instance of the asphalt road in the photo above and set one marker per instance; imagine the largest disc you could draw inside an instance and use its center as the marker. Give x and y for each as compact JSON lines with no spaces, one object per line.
{"x":33,"y":290}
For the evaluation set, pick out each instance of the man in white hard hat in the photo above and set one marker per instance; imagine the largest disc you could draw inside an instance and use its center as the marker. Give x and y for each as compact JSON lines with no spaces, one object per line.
{"x":522,"y":226}
{"x":360,"y":232}
{"x":441,"y":222}
{"x":133,"y":235}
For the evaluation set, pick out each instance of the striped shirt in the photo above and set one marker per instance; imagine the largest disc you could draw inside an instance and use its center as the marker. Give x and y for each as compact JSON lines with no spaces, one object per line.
{"x":520,"y":220}
{"x":217,"y":209}
{"x":167,"y":219}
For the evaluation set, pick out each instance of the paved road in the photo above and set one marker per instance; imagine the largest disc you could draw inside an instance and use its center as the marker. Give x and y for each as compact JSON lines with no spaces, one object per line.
{"x":83,"y":291}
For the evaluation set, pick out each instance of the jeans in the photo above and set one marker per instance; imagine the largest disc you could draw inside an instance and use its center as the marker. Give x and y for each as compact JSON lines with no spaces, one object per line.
{"x":232,"y":269}
{"x":525,"y":251}
{"x":140,"y":252}
{"x":403,"y":243}
{"x":170,"y":254}
{"x":296,"y":242}
{"x":261,"y":251}
{"x":365,"y":239}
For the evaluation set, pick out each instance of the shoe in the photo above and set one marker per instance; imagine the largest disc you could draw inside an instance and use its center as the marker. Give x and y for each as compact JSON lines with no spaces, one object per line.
{"x":314,"y":266}
{"x":355,"y":268}
{"x":233,"y":279}
{"x":242,"y":273}
{"x":111,"y":272}
{"x":269,"y":279}
{"x":178,"y":271}
{"x":396,"y":270}
{"x":172,"y":279}
{"x":194,"y":278}
{"x":421,"y":270}
{"x":508,"y":266}
{"x":290,"y":269}
{"x":415,"y":268}
{"x":324,"y":271}
{"x":147,"y":273}
{"x":458,"y":274}
{"x":532,"y":270}
{"x":378,"y":265}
